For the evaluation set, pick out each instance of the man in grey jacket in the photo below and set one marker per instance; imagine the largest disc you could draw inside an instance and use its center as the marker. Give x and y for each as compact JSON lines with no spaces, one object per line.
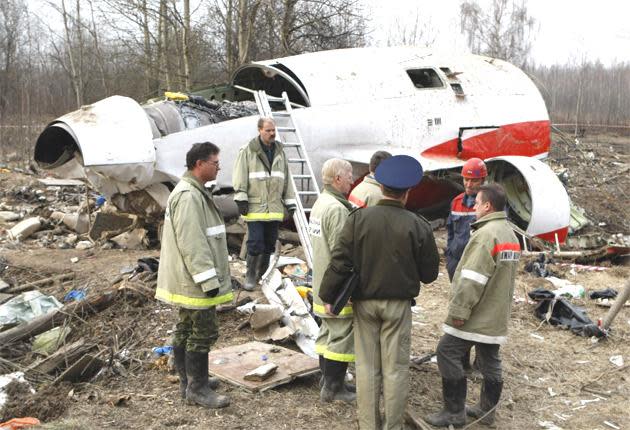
{"x":479,"y":311}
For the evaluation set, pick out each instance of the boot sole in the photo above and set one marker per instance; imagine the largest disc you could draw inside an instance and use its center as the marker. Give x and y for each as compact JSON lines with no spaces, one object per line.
{"x":194,"y":403}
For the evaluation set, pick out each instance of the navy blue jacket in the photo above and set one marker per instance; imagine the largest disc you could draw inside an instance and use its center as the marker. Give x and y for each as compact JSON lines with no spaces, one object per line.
{"x":458,"y":227}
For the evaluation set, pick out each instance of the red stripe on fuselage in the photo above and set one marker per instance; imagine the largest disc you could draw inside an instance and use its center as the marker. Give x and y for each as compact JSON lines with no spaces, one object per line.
{"x":551,"y":236}
{"x":525,"y":138}
{"x":505,"y":247}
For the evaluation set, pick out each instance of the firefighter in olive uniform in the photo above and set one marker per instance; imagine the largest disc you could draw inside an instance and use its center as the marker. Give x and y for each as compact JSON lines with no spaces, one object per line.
{"x":368,"y":192}
{"x":393,"y":250}
{"x":479,"y":311}
{"x":262,"y":191}
{"x":194,"y":273}
{"x":335,"y":343}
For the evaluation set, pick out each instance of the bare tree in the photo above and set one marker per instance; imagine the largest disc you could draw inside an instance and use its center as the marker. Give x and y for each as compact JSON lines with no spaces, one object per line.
{"x":420,"y":31}
{"x":503,"y":30}
{"x":12,"y":17}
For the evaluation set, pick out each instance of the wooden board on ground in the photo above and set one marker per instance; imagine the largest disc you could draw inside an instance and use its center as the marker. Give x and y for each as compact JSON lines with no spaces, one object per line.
{"x":233,"y":362}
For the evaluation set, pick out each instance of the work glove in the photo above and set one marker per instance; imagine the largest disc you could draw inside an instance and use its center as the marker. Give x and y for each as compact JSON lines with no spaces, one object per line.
{"x":243,"y":207}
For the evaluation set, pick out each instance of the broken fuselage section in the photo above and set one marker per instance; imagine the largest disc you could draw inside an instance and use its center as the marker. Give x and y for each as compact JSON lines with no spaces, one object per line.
{"x":439,"y":108}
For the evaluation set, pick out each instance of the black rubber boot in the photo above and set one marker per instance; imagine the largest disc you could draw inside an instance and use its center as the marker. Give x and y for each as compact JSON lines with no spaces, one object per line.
{"x":334,"y":387}
{"x":263,"y":263}
{"x":199,"y":391}
{"x":488,"y":399}
{"x":322,"y":366}
{"x":252,"y":269}
{"x":179,"y":357}
{"x":453,"y":413}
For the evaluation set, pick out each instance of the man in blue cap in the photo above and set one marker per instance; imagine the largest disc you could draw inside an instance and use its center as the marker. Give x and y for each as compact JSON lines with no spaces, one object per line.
{"x":393,"y":250}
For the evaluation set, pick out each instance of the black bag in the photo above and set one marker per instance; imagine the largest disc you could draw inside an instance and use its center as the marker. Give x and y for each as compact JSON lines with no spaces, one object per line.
{"x":345,"y":292}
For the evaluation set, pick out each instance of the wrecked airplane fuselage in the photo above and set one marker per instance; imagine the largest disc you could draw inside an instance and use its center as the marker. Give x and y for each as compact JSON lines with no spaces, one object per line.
{"x":440,"y":108}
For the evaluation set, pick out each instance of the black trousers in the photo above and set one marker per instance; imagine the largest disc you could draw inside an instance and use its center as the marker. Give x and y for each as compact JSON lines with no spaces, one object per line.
{"x":451,"y":350}
{"x":262,"y":237}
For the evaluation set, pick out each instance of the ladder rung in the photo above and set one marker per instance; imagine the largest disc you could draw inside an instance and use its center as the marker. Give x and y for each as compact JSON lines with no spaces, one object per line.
{"x":291,"y":145}
{"x":307,"y":210}
{"x":274,"y":99}
{"x":301,"y":176}
{"x":284,"y":114}
{"x":285,"y":129}
{"x":307,"y":193}
{"x":296,"y":160}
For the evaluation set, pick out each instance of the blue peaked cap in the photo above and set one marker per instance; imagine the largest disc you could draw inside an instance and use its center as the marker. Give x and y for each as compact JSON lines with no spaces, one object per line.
{"x":399,"y":172}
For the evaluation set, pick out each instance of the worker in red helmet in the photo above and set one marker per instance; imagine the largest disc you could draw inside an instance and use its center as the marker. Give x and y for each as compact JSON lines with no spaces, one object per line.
{"x":462,"y":213}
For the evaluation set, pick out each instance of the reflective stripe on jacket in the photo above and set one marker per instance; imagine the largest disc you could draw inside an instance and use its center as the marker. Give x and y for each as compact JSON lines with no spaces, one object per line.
{"x":194,"y":254}
{"x":483,"y":285}
{"x":460,"y":218}
{"x":328,"y":216}
{"x":266,"y":187}
{"x":367,"y":193}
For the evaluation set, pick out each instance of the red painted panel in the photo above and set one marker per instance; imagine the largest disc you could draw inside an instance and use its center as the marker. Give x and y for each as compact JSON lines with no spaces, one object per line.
{"x":551,"y":236}
{"x":525,"y":138}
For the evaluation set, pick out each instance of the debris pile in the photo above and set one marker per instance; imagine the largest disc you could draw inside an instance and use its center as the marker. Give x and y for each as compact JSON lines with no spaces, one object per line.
{"x":68,"y":214}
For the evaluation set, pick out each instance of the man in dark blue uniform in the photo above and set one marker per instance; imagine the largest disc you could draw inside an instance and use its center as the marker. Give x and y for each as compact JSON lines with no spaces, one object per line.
{"x":393,"y":250}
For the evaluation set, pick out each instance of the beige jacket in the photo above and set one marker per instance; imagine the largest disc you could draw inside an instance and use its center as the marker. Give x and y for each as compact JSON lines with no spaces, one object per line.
{"x":194,"y":271}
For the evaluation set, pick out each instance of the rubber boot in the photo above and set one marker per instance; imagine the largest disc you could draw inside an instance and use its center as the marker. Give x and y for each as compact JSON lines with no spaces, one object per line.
{"x":488,"y":399}
{"x":179,"y":356}
{"x":322,"y":363}
{"x":334,"y":387}
{"x":199,"y":391}
{"x":250,"y":276}
{"x":453,"y":413}
{"x":263,"y":263}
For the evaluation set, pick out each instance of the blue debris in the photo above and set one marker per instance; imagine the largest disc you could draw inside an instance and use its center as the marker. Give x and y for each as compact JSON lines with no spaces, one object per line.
{"x":74,"y":295}
{"x":162,"y":350}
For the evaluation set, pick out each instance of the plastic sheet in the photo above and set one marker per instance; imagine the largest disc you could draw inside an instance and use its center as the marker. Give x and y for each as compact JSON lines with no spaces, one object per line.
{"x":558,"y":311}
{"x":26,"y":307}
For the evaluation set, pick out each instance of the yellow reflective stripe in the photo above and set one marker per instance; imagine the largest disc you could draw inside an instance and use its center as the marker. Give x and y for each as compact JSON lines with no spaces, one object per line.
{"x":347,"y":358}
{"x":320,"y":349}
{"x":264,"y":216}
{"x":197,"y":302}
{"x":321,"y":310}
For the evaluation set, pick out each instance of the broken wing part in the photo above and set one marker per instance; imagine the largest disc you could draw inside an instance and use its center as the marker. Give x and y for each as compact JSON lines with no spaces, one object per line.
{"x":535,"y":194}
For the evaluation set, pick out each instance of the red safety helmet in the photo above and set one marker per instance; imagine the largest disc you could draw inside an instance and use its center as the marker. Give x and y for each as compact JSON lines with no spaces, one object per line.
{"x":474,"y":168}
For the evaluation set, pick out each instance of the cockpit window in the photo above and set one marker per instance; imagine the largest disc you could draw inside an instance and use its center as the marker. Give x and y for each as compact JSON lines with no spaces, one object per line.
{"x":425,"y":78}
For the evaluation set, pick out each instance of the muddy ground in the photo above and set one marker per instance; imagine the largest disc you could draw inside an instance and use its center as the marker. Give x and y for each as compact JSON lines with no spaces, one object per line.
{"x":551,"y":375}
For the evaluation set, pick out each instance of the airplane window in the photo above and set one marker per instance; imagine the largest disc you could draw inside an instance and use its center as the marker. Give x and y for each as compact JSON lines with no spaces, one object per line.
{"x":425,"y":78}
{"x":457,"y":88}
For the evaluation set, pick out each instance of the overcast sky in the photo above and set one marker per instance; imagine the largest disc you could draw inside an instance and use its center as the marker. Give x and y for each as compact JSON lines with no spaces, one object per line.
{"x":568,"y":30}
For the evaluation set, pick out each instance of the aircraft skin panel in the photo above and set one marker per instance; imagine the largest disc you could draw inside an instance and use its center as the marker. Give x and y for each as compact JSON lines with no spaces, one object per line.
{"x":531,"y":138}
{"x":116,"y":129}
{"x":550,"y":205}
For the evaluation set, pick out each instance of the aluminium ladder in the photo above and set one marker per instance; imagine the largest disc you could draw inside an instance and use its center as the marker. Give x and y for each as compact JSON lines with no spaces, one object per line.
{"x":300,"y":170}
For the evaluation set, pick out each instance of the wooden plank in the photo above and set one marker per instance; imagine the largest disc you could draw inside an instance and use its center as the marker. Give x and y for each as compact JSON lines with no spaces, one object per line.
{"x":83,"y":370}
{"x":64,"y":355}
{"x":54,"y":182}
{"x":41,"y":282}
{"x":5,"y":297}
{"x":233,"y":362}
